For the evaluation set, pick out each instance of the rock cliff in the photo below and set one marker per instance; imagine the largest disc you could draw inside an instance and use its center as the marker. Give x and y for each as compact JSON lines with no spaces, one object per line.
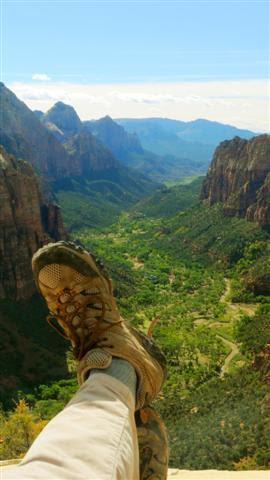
{"x":239,"y":177}
{"x":26,"y":223}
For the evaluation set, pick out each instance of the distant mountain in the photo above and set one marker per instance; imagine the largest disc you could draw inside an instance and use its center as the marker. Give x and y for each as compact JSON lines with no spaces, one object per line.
{"x":63,"y":122}
{"x":115,"y":137}
{"x":89,"y":155}
{"x":195,"y":140}
{"x":102,"y":187}
{"x":206,"y":131}
{"x":65,"y":118}
{"x":70,"y":158}
{"x":162,"y":149}
{"x":200,"y":130}
{"x":39,"y":114}
{"x":22,"y":135}
{"x":128,"y":150}
{"x":92,"y":159}
{"x":239,"y":178}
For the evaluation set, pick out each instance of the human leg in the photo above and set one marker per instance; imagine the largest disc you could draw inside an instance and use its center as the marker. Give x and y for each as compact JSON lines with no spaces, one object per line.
{"x":79,"y":296}
{"x":94,"y":437}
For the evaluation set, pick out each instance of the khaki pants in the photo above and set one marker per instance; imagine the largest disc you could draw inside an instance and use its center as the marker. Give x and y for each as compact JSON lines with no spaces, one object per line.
{"x":93,"y":438}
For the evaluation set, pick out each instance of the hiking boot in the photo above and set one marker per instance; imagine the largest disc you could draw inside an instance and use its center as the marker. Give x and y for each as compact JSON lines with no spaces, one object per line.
{"x":82,"y":308}
{"x":153,"y":444}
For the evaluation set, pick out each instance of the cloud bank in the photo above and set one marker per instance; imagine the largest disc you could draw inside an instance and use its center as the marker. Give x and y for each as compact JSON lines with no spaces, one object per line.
{"x":41,"y":77}
{"x":243,"y":103}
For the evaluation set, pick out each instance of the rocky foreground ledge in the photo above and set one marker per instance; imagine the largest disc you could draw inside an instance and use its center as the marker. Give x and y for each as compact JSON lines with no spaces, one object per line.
{"x":175,"y":474}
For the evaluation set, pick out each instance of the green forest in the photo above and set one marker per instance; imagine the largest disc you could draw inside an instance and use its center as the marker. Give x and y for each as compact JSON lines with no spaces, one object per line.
{"x":204,"y":278}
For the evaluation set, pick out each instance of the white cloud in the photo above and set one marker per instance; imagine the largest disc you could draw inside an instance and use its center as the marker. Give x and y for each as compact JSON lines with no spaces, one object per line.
{"x":144,"y":97}
{"x":42,"y":77}
{"x":243,"y":103}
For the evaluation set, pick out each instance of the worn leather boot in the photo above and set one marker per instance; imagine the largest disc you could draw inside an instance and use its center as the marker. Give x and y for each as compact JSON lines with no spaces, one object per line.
{"x":153,"y":444}
{"x":82,"y":308}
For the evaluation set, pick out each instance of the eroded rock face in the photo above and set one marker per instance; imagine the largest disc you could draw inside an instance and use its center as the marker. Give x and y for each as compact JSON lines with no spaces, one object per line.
{"x":239,"y":177}
{"x":26,"y":223}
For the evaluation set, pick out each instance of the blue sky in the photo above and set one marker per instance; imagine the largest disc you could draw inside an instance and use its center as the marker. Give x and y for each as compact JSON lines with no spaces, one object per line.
{"x":133,"y":42}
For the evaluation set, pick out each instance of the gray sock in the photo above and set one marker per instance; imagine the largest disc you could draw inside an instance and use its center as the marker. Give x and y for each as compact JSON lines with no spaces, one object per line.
{"x":123,"y":371}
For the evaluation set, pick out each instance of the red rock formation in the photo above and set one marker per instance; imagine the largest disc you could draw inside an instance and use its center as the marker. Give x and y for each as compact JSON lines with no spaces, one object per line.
{"x":26,"y":223}
{"x":239,"y":177}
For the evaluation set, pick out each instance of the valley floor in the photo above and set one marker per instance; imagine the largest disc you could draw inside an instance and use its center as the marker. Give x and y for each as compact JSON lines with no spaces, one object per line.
{"x":172,"y":272}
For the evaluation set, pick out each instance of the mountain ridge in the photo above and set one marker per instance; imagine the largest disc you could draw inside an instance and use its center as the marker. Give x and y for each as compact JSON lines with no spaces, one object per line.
{"x":180,"y":127}
{"x":69,"y":159}
{"x":23,"y":135}
{"x":195,"y":140}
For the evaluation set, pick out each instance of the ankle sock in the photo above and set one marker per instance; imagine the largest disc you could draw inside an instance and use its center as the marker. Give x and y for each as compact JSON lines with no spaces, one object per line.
{"x":121,"y":370}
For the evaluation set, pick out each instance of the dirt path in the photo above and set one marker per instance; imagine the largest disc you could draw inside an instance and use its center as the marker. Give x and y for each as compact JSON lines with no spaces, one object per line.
{"x":136,"y":264}
{"x":234,"y":351}
{"x":234,"y":310}
{"x":226,"y":292}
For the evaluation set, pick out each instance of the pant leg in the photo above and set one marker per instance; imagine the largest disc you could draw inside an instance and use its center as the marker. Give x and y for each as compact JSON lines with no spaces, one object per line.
{"x":93,"y":438}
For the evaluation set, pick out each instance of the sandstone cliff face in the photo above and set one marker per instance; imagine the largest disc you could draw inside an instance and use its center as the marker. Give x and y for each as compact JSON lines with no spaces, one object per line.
{"x":26,"y":223}
{"x":239,"y":177}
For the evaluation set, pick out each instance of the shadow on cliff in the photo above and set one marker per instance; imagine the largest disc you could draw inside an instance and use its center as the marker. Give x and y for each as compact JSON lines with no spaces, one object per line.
{"x":31,"y":353}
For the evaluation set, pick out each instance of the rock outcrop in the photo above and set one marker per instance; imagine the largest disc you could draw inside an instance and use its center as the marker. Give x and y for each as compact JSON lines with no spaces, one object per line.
{"x":239,"y":178}
{"x":64,"y":118}
{"x":26,"y":223}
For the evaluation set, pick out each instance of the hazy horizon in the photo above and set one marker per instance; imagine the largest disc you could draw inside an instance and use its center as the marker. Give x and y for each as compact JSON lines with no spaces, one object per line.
{"x":92,"y":102}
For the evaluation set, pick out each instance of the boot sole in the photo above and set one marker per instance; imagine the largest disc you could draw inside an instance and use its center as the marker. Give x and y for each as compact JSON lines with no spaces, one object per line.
{"x":67,"y":253}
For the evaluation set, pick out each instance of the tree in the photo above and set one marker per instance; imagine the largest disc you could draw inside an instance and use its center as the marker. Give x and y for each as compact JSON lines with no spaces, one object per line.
{"x":18,"y":430}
